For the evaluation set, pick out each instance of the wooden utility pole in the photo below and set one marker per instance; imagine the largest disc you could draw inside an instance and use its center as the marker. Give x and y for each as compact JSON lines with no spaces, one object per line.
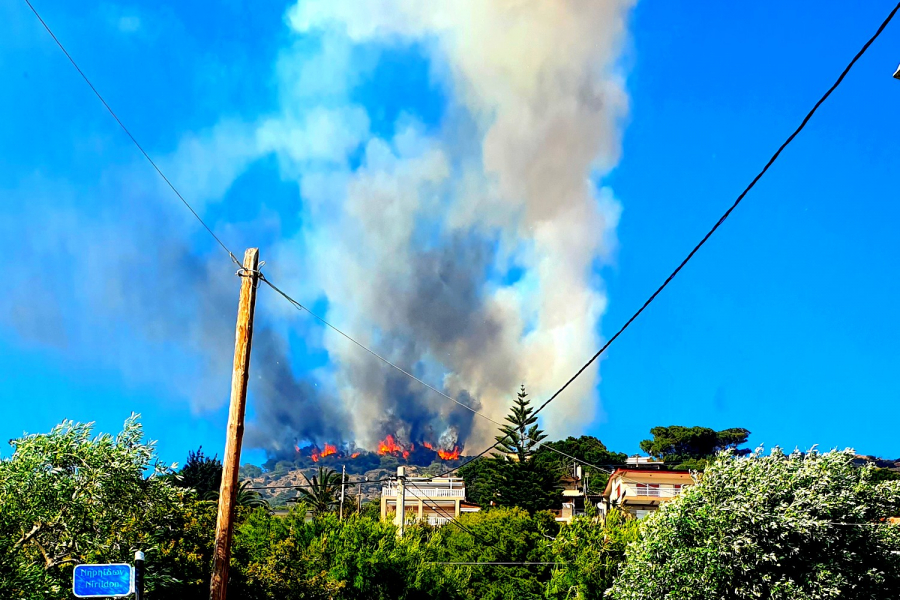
{"x":231,"y":463}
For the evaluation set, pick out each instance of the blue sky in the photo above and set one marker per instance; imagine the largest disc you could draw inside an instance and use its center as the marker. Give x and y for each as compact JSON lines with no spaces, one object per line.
{"x":783,"y":324}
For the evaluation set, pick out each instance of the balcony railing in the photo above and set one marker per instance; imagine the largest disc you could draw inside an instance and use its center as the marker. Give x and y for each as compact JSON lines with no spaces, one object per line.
{"x":411,"y":492}
{"x":437,"y":521}
{"x":653,"y":492}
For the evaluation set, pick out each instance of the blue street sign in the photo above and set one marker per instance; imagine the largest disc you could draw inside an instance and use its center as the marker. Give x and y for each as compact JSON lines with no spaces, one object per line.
{"x":102,"y":581}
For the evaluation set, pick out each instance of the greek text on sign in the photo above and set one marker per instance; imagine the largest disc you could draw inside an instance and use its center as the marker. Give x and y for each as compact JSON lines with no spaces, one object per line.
{"x":102,"y":581}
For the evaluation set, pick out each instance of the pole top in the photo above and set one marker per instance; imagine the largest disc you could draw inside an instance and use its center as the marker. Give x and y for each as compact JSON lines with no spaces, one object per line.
{"x":138,"y":555}
{"x":401,"y":471}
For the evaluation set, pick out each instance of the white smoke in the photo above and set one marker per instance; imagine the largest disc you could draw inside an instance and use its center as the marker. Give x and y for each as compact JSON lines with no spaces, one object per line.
{"x":406,"y":237}
{"x":534,"y":119}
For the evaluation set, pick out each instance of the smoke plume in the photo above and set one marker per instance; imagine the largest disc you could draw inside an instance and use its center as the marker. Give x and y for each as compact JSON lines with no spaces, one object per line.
{"x":414,"y":248}
{"x":463,"y":247}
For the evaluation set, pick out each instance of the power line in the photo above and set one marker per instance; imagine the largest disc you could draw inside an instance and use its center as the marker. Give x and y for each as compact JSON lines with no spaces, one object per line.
{"x":652,"y":297}
{"x":281,"y":487}
{"x":388,"y":362}
{"x":129,"y":134}
{"x":727,"y":212}
{"x":304,"y":485}
{"x":301,"y":307}
{"x":497,"y":563}
{"x":219,"y":241}
{"x":547,"y":446}
{"x":448,"y":516}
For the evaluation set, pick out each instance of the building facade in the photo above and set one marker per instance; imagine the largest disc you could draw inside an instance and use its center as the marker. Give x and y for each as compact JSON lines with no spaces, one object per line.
{"x":435,"y":500}
{"x":641,"y":491}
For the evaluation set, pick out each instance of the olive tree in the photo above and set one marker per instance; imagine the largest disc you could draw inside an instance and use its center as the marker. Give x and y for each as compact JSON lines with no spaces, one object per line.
{"x":779,"y":526}
{"x":67,"y":498}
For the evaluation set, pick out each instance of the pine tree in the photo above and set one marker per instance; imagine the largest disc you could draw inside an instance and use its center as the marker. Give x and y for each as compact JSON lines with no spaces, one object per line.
{"x":517,"y":478}
{"x":522,"y":436}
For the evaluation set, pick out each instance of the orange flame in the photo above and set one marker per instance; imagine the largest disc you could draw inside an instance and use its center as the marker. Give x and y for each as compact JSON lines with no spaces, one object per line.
{"x":449,"y":454}
{"x":389,"y":446}
{"x":329,"y":450}
{"x":427,"y":445}
{"x":314,"y":455}
{"x":354,"y":455}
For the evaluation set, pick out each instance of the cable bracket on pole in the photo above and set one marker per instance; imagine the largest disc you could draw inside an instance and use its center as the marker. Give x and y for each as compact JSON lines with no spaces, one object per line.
{"x":257,"y":272}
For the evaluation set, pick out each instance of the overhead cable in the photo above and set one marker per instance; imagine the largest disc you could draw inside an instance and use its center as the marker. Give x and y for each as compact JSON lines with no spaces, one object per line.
{"x":728,"y":212}
{"x":129,"y":134}
{"x":652,"y":297}
{"x":301,"y":307}
{"x":496,"y":563}
{"x":447,"y":515}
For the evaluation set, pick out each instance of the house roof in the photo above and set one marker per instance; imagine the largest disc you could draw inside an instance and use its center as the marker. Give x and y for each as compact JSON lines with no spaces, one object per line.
{"x":646,"y":475}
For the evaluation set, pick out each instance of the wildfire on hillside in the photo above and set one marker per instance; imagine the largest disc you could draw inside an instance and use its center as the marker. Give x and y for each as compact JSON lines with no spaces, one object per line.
{"x":390,"y":445}
{"x":449,"y":454}
{"x":422,"y":453}
{"x":330,"y":450}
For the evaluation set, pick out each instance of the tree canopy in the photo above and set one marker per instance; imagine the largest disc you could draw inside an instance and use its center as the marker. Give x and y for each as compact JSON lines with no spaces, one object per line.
{"x":201,"y":473}
{"x":692,"y":447}
{"x":586,"y":448}
{"x":481,"y":477}
{"x":592,"y":553}
{"x":779,"y":526}
{"x":321,"y":494}
{"x":68,"y":498}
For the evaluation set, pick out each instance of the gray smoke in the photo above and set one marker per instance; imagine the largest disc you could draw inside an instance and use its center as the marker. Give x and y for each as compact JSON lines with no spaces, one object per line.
{"x":407,"y":247}
{"x":464,"y":252}
{"x":288,"y":408}
{"x":411,"y":238}
{"x":120,"y":289}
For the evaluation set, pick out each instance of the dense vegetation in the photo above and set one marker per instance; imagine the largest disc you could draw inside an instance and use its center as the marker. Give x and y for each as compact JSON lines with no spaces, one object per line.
{"x":783,"y":526}
{"x":754,"y":526}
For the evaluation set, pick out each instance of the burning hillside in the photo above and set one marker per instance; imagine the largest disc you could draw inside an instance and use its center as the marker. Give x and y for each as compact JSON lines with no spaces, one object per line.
{"x":423,"y":453}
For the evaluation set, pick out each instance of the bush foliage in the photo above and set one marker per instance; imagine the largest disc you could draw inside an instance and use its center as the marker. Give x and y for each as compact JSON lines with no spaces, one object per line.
{"x":779,"y":526}
{"x":771,"y":526}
